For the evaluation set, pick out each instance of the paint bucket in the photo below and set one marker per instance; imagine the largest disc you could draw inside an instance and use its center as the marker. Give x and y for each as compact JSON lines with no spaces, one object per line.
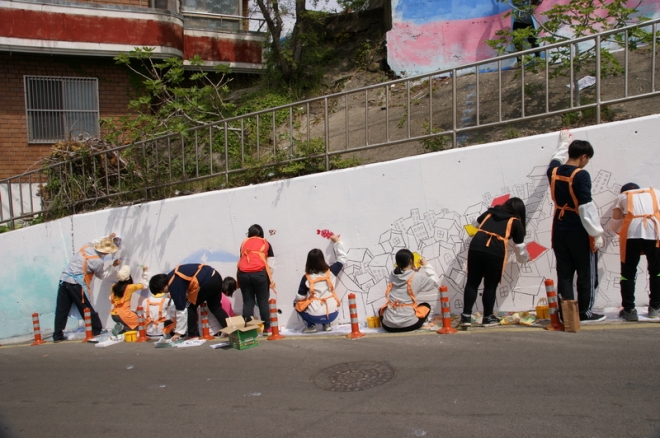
{"x":543,"y":310}
{"x":130,"y":336}
{"x":373,"y":322}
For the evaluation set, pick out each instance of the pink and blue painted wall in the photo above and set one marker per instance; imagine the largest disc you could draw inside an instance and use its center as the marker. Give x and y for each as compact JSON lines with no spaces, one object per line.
{"x":427,"y":36}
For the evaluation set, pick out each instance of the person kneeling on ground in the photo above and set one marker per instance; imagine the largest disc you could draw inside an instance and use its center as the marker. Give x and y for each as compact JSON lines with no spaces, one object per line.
{"x":488,"y":254}
{"x":120,"y":297}
{"x":189,"y":286}
{"x":402,"y":313}
{"x":316,"y":301}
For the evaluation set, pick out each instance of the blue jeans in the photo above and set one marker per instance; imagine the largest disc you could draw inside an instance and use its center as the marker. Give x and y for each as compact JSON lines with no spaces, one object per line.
{"x":311,"y":320}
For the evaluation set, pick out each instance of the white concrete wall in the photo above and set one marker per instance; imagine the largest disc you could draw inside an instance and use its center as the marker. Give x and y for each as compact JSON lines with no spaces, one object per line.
{"x":420,"y":202}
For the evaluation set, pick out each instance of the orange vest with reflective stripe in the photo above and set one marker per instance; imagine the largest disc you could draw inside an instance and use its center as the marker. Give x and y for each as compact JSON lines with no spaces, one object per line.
{"x":504,"y":239}
{"x":628,"y":218}
{"x":420,"y":311}
{"x":87,"y":276}
{"x":193,"y":286}
{"x":303,"y":304}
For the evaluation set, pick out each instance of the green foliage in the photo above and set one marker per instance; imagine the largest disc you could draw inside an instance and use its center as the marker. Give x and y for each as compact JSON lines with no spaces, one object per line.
{"x":169,"y":98}
{"x":353,"y":5}
{"x":576,"y":19}
{"x":434,"y":144}
{"x":512,"y":132}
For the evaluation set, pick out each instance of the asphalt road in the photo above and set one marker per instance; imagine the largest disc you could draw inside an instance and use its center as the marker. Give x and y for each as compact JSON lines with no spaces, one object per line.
{"x":601,"y":382}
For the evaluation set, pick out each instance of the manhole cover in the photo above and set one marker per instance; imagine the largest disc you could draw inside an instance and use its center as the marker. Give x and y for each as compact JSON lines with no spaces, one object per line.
{"x":353,"y":376}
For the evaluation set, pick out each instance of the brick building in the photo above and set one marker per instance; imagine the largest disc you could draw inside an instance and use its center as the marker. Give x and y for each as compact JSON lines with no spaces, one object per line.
{"x":57,"y":75}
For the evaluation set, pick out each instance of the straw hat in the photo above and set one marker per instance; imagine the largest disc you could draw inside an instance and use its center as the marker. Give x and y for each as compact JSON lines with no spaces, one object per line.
{"x":124,"y":273}
{"x":106,"y":246}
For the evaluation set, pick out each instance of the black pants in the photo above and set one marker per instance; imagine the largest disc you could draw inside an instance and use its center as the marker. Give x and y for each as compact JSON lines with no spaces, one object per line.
{"x":410,"y":328}
{"x":71,"y":294}
{"x":489,"y":268}
{"x":209,"y":292}
{"x":634,"y":250}
{"x":574,"y":256}
{"x":117,"y":318}
{"x":255,"y":287}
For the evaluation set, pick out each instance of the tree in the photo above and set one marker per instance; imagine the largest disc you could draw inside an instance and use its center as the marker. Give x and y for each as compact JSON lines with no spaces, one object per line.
{"x":575,"y":19}
{"x":170,"y":99}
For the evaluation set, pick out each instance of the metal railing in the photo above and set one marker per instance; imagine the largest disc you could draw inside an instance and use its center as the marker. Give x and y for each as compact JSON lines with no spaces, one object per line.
{"x":443,"y":108}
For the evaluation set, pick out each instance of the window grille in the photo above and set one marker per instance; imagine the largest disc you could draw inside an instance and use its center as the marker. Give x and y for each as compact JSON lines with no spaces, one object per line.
{"x":58,"y":108}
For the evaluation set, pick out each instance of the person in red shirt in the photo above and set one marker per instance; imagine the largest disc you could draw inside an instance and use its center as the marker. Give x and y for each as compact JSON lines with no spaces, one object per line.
{"x":254,"y":275}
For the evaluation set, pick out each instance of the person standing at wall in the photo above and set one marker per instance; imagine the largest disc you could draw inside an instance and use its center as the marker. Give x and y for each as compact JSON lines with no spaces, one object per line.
{"x":636,"y":218}
{"x":76,"y":280}
{"x":401,"y":312}
{"x":120,"y":297}
{"x":488,"y":254}
{"x":316,"y":301}
{"x":189,"y":286}
{"x":255,"y":275}
{"x":576,"y":229}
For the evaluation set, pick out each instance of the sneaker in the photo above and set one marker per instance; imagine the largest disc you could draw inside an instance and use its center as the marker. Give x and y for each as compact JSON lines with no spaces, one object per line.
{"x":629,"y":315}
{"x":101,"y":332}
{"x":117,"y":329}
{"x":310,"y":329}
{"x":327,"y":328}
{"x":490,"y":320}
{"x":594,"y":317}
{"x":466,"y":321}
{"x":56,"y":340}
{"x":268,"y":331}
{"x":654,"y":313}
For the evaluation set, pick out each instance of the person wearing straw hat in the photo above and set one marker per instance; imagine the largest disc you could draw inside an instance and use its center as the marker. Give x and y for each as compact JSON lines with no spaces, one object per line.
{"x":636,"y":217}
{"x":75,"y":282}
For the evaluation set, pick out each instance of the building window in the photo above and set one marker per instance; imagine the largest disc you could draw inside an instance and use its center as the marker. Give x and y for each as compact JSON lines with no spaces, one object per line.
{"x":212,"y":15}
{"x":59,"y":108}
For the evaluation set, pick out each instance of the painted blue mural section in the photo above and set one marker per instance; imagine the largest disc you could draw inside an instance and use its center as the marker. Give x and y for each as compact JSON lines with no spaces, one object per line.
{"x":421,"y":12}
{"x":207,"y":256}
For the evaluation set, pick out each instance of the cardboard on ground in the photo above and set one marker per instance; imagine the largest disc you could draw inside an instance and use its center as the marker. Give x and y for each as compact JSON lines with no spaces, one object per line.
{"x":237,"y":323}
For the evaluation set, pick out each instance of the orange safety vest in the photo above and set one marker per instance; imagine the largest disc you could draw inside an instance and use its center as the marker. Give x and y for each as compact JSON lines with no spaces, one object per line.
{"x":303,"y":304}
{"x":155,"y":321}
{"x":193,"y":286}
{"x":504,"y":239}
{"x":627,"y":220}
{"x":87,"y":276}
{"x":564,"y":208}
{"x":420,"y":311}
{"x":261,"y":252}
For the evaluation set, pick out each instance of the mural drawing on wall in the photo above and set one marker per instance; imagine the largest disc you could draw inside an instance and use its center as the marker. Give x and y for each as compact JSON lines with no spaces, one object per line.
{"x":443,"y":238}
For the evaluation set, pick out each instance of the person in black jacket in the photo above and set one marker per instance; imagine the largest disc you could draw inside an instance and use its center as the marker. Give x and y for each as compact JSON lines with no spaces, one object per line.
{"x":488,"y":253}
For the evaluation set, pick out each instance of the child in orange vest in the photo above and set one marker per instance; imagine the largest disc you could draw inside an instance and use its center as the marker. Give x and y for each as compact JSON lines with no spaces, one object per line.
{"x":316,"y":301}
{"x":120,"y":297}
{"x":636,"y":218}
{"x":402,"y":312}
{"x":487,"y":256}
{"x":159,"y":314}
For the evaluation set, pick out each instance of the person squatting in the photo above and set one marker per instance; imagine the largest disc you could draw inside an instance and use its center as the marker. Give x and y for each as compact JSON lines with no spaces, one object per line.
{"x":576,"y":239}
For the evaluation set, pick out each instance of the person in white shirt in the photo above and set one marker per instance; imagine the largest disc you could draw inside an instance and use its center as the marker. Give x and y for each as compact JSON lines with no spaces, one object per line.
{"x":637,"y":220}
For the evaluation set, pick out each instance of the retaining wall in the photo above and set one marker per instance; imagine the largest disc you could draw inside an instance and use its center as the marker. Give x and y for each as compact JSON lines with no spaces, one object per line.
{"x":420,"y":202}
